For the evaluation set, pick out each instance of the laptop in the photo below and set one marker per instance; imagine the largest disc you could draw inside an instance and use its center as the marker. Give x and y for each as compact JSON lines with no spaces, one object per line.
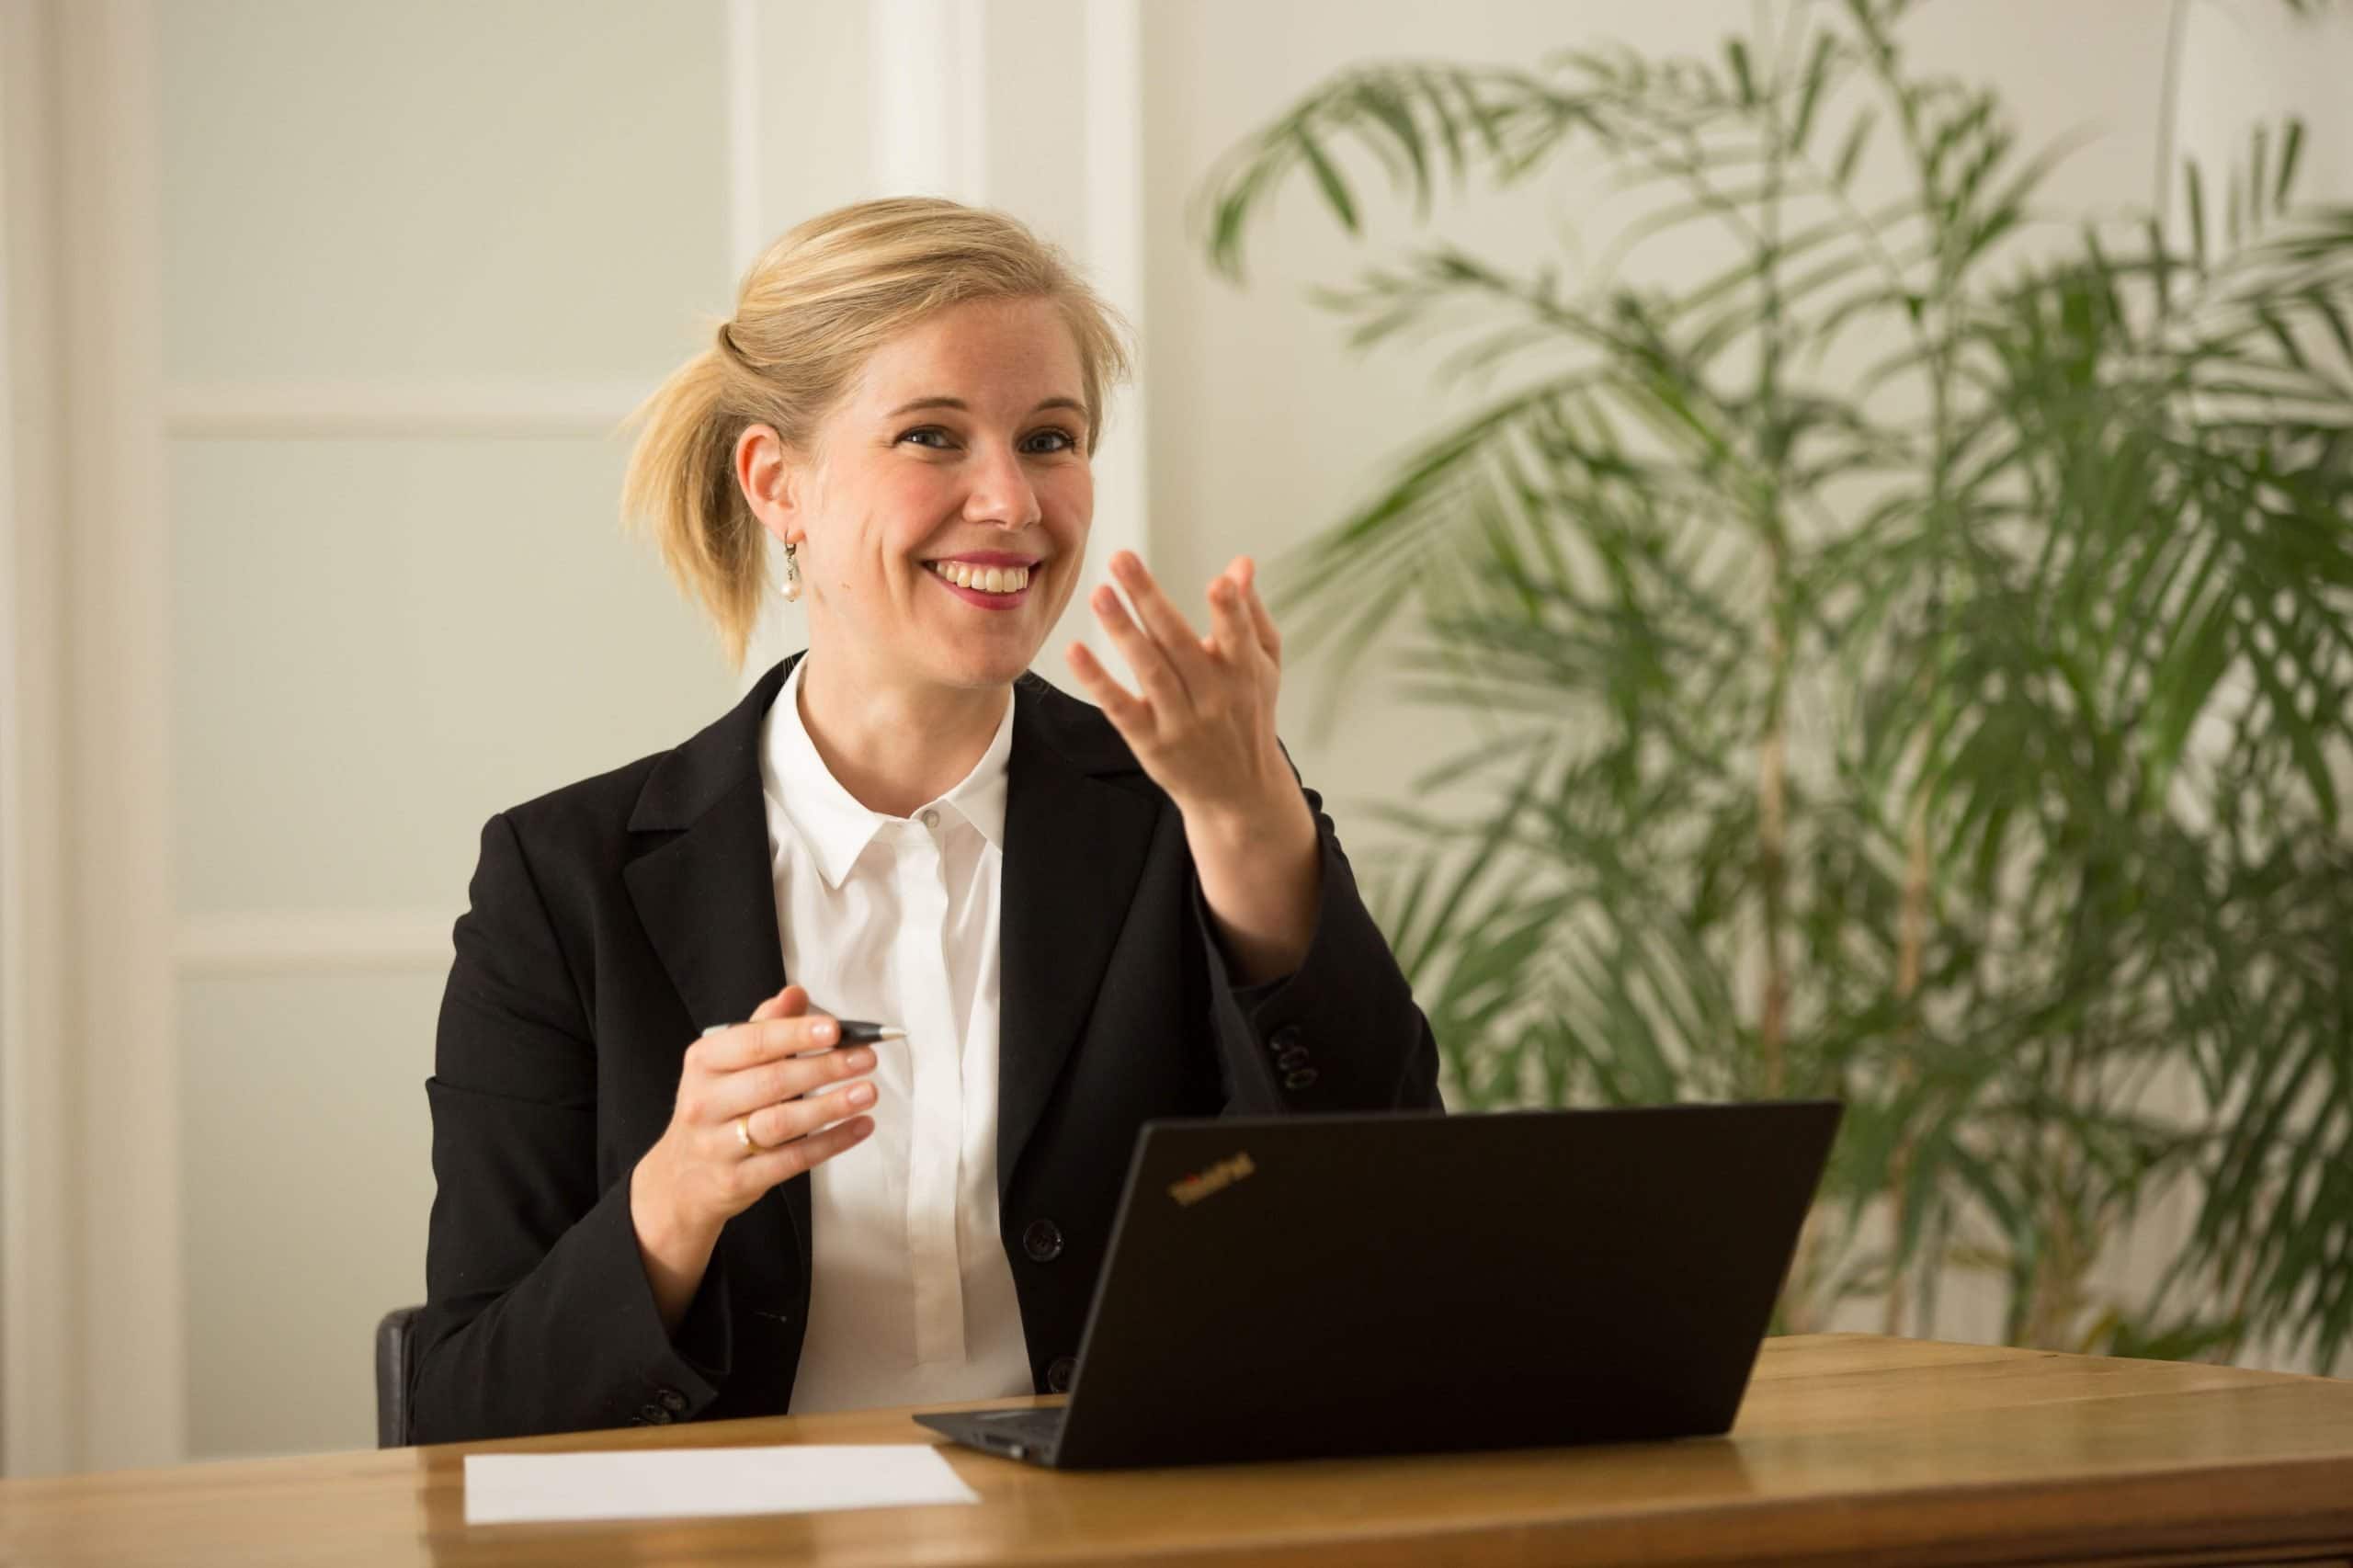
{"x":1316,"y":1285}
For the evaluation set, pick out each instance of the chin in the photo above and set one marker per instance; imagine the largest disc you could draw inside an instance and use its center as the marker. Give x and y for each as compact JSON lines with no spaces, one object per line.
{"x":973,"y":668}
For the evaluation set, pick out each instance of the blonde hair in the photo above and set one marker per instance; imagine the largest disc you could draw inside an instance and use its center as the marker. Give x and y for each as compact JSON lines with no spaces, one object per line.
{"x":818,"y":302}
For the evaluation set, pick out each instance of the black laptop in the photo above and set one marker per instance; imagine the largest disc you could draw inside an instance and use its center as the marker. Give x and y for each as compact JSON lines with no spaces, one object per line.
{"x":1301,"y":1286}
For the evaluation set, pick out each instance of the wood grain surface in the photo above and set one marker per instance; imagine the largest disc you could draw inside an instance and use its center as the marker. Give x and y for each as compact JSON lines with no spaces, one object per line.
{"x":1849,"y":1448}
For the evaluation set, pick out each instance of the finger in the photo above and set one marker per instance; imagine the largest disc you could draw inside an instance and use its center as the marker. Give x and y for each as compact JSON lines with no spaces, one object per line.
{"x":748,"y":1044}
{"x":787,"y":1003}
{"x":759,"y":1172}
{"x":1163,"y":621}
{"x":739,"y":1093}
{"x":1155,"y":671}
{"x":1231,"y":633}
{"x":1129,"y":713}
{"x":775,"y":1124}
{"x":1271,"y":641}
{"x":790,"y":1001}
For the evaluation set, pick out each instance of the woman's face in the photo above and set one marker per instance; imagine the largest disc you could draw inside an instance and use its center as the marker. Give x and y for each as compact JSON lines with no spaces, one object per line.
{"x":959,"y":452}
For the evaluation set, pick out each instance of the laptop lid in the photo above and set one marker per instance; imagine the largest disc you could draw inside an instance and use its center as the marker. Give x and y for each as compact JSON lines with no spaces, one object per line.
{"x":1320,"y":1285}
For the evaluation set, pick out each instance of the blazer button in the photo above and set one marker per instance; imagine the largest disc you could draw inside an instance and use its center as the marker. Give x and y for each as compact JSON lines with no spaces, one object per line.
{"x":672,"y":1400}
{"x":1042,"y":1240}
{"x":1059,"y":1374}
{"x":1295,"y":1057}
{"x":655,"y":1415}
{"x":1283,"y":1039}
{"x":1300,"y":1079}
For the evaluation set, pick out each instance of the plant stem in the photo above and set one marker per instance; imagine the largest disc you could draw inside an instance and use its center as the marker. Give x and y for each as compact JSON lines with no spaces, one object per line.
{"x":2168,"y":109}
{"x":1772,"y":757}
{"x":1772,"y":760}
{"x":1912,"y":937}
{"x":1772,"y":829}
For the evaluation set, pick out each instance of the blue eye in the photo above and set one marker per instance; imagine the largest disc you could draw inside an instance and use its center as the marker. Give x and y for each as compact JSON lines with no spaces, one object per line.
{"x":1069,"y":443}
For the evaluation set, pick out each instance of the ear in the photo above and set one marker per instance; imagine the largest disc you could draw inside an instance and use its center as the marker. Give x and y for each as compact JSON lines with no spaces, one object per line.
{"x":774,"y":480}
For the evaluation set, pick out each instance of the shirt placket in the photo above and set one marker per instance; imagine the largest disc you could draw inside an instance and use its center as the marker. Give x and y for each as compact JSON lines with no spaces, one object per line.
{"x":935,"y":1062}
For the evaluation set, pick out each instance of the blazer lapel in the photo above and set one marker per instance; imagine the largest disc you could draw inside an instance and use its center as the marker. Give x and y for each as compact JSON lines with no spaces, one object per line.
{"x":707,"y":895}
{"x":1074,"y":848}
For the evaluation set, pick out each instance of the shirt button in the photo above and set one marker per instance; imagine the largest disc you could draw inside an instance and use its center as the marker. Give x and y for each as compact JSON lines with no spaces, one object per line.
{"x":930,"y":817}
{"x":1059,"y":1374}
{"x":1042,"y":1240}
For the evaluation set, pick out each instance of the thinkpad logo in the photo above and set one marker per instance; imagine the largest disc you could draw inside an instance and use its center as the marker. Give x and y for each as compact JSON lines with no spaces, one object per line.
{"x":1217,"y":1178}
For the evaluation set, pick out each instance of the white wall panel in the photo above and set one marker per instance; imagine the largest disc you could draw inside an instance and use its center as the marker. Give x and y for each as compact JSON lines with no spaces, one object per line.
{"x":439,"y":186}
{"x":416,"y":260}
{"x":1035,"y":153}
{"x":375,"y":644}
{"x":305,"y":1181}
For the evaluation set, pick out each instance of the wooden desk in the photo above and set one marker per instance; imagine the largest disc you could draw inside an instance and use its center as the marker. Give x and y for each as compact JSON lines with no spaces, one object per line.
{"x":1848,"y":1448}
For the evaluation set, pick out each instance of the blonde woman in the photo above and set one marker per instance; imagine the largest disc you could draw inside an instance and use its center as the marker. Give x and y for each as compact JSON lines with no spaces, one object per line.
{"x":668,"y":1189}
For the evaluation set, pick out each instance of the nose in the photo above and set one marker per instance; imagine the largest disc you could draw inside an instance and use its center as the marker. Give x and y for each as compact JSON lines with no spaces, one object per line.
{"x":1001,"y":492}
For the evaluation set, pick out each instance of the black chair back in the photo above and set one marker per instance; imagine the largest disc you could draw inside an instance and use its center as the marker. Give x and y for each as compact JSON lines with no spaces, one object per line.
{"x":396,"y":1347}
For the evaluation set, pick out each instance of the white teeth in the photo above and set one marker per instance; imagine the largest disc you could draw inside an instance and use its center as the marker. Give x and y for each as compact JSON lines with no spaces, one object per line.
{"x":986,"y":579}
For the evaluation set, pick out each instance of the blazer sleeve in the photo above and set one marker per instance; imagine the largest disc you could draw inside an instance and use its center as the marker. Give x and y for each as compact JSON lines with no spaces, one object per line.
{"x":539,"y":1316}
{"x":1340,"y":1032}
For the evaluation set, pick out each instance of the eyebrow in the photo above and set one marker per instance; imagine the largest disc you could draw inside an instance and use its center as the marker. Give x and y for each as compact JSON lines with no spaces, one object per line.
{"x":959,"y":404}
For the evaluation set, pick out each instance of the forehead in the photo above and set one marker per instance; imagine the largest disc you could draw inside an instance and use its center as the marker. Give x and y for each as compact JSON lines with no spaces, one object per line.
{"x":1019,"y":350}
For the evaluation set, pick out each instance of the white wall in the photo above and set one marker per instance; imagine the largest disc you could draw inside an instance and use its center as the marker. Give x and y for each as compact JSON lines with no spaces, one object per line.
{"x":382,"y":634}
{"x":402,"y":265}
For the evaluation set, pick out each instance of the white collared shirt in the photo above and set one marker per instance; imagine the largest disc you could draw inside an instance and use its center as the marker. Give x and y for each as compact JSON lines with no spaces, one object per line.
{"x":897,"y":919}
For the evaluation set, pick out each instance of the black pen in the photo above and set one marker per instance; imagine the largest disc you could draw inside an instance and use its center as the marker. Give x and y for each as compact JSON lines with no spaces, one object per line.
{"x":861,"y":1031}
{"x":855,"y":1031}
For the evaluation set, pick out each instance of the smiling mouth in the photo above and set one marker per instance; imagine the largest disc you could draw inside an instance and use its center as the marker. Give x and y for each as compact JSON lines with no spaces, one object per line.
{"x":982,"y":579}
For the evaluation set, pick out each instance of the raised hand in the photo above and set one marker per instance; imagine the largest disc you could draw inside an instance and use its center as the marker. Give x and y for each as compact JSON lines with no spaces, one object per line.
{"x":1203,"y":724}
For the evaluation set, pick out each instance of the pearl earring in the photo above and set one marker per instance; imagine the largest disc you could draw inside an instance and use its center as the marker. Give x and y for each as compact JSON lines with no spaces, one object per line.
{"x":791,"y":587}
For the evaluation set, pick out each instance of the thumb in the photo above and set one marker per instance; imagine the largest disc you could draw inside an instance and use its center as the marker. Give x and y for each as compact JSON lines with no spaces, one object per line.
{"x":789,"y":1003}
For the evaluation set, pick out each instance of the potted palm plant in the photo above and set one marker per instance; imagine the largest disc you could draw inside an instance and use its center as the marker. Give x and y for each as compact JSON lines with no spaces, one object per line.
{"x":1915,"y":662}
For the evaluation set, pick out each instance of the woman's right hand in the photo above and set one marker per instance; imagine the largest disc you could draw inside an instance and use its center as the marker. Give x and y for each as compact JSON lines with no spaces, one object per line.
{"x":757,"y":1071}
{"x":699,"y":1174}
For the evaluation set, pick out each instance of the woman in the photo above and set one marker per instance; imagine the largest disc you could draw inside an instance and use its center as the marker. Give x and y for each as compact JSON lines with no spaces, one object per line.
{"x":662,"y":1195}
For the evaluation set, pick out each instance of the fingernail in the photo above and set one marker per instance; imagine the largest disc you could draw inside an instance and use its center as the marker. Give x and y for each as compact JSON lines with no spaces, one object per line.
{"x":822,"y":1029}
{"x":859,"y":1058}
{"x":860,"y":1093}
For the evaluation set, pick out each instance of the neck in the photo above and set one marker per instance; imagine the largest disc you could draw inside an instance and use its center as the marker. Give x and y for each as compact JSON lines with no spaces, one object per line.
{"x":895,"y":746}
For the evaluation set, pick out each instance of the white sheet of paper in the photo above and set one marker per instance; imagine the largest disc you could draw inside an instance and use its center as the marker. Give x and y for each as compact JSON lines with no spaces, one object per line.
{"x":794,"y":1478}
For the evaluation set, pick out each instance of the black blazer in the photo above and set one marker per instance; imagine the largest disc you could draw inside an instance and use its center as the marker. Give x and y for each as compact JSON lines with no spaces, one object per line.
{"x":615,"y":918}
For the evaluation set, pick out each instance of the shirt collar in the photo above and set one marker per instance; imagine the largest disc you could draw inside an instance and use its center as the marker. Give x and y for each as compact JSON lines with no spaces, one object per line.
{"x":803,"y":794}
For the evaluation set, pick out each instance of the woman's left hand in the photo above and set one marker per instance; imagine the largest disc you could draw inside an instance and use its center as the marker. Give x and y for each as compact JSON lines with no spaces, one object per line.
{"x":1204,"y":725}
{"x":1204,"y":730}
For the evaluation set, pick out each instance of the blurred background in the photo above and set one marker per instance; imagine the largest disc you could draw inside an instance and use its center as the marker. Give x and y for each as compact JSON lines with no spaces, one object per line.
{"x":1900,"y":653}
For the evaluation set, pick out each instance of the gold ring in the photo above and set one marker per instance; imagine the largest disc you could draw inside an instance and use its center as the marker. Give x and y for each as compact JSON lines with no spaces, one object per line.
{"x":743,"y":1134}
